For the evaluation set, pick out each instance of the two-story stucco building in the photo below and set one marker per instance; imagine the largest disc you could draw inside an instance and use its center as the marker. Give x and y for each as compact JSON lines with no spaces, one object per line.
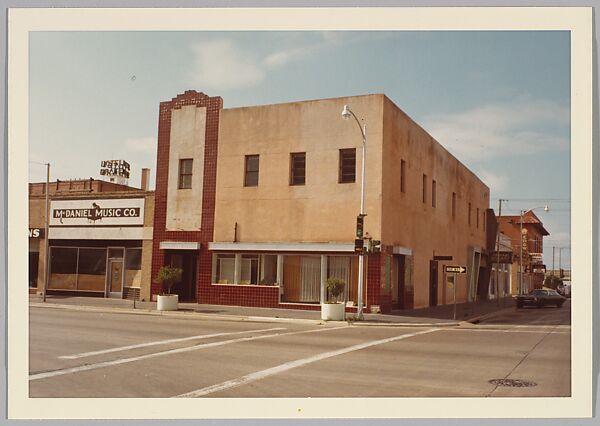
{"x":258,"y":205}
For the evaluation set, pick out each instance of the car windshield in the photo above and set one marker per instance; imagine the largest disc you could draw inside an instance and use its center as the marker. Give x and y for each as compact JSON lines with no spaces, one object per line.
{"x":537,"y":293}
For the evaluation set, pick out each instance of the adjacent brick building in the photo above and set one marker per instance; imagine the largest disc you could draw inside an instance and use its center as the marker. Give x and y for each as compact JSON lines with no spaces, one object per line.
{"x":99,"y":238}
{"x":530,"y":243}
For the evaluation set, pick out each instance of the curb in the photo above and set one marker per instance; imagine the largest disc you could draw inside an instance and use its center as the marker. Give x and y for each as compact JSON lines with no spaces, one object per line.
{"x":478,"y":319}
{"x":153,"y":312}
{"x":403,"y":324}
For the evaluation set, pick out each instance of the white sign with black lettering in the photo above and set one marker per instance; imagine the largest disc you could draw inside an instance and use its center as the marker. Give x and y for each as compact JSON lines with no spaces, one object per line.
{"x":97,"y":212}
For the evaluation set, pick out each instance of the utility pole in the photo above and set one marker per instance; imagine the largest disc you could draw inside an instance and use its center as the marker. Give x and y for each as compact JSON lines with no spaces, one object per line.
{"x":46,"y":236}
{"x":553,"y":260}
{"x":496,"y":287}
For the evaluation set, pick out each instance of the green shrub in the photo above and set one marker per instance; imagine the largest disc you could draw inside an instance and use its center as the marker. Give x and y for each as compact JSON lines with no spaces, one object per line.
{"x":167,"y":276}
{"x":335,"y":288}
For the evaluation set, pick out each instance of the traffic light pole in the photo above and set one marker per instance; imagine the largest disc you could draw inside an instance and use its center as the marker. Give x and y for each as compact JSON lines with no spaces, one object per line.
{"x":361,"y":258}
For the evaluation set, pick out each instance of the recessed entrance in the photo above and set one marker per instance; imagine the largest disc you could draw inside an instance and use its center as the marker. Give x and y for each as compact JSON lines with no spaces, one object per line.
{"x":186,"y":260}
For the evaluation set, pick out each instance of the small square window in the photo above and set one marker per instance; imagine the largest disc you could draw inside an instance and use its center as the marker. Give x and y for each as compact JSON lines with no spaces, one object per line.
{"x":185,"y":173}
{"x":298,"y":168}
{"x":347,"y":171}
{"x":251,"y":171}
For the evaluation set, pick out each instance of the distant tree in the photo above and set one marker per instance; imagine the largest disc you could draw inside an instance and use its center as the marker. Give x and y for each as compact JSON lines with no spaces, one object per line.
{"x":552,"y":281}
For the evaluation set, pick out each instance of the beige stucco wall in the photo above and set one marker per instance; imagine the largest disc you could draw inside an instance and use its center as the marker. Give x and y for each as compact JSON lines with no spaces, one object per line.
{"x":322,"y":210}
{"x":409,"y":222}
{"x":184,"y":206}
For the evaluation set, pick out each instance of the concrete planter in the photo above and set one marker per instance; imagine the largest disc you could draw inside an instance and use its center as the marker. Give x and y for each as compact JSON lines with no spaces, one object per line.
{"x":167,"y":302}
{"x":333,"y":311}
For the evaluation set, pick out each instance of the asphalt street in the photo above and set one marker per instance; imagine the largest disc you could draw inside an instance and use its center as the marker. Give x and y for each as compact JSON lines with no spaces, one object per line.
{"x":79,"y":353}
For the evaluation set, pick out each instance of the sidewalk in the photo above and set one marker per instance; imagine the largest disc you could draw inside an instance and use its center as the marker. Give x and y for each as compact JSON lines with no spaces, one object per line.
{"x":438,"y":316}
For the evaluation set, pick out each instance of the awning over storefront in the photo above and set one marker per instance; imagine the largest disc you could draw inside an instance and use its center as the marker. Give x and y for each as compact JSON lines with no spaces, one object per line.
{"x":283,"y":247}
{"x":179,"y":245}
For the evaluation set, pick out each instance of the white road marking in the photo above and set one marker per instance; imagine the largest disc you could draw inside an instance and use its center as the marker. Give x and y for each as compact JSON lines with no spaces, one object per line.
{"x":95,"y":366}
{"x":499,"y":330}
{"x":294,"y":364}
{"x":164,"y":342}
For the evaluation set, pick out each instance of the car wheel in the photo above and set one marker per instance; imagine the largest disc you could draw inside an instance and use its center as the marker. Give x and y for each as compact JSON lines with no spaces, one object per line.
{"x":519,"y":305}
{"x":559,"y":304}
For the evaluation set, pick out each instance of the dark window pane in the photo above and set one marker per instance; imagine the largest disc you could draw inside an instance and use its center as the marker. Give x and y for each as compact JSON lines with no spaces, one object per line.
{"x":251,"y":170}
{"x":298,"y":169}
{"x":185,"y":173}
{"x":92,"y":261}
{"x":347,"y":165}
{"x":133,"y":258}
{"x":63,"y":260}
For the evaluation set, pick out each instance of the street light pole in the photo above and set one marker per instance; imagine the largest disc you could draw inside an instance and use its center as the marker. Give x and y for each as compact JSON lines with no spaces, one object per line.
{"x":346,"y":113}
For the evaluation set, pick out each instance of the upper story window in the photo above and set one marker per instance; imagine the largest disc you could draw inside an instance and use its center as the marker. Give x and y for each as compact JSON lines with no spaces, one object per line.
{"x":347,"y":170}
{"x":433,"y":193}
{"x":185,"y":173}
{"x":402,"y":176}
{"x":477,"y":221}
{"x":424,"y":188}
{"x":469,"y":214}
{"x":251,"y":171}
{"x":454,"y":205}
{"x":298,"y":168}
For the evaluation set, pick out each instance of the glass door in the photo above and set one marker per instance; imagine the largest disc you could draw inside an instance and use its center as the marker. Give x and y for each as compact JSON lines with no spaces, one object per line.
{"x":115,"y":278}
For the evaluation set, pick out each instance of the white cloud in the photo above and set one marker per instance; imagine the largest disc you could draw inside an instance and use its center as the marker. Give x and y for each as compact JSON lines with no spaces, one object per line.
{"x":145,"y":145}
{"x":221,"y":65}
{"x":523,"y":126}
{"x":498,"y":183}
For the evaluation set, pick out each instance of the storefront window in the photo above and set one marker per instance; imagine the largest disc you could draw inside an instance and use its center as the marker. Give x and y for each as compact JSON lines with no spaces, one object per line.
{"x":133,"y":267}
{"x":115,"y":253}
{"x":249,"y":272}
{"x":91,"y":271}
{"x":301,"y":279}
{"x":63,"y":268}
{"x":225,"y":268}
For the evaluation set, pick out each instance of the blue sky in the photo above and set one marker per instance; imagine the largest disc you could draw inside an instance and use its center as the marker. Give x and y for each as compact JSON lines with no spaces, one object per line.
{"x":498,"y":100}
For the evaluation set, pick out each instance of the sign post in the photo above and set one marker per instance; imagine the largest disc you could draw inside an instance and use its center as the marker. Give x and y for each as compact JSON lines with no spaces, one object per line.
{"x":455,"y":269}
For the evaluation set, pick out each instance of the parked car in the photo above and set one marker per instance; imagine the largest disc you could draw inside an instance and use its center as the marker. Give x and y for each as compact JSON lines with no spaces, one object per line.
{"x":540,"y":298}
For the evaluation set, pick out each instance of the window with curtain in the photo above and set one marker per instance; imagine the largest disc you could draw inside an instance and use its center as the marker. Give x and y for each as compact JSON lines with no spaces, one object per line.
{"x":225,"y":268}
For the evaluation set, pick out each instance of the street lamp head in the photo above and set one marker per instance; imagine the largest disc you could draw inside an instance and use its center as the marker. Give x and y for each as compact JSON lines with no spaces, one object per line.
{"x":346,"y":112}
{"x":546,"y":208}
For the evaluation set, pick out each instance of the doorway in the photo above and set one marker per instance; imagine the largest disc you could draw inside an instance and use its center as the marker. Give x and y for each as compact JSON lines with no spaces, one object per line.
{"x":115,"y":278}
{"x":399,"y":277}
{"x":433,"y":283}
{"x":186,"y":260}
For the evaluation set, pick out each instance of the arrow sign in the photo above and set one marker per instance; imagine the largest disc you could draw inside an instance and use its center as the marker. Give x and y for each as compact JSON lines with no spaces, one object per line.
{"x":455,"y":269}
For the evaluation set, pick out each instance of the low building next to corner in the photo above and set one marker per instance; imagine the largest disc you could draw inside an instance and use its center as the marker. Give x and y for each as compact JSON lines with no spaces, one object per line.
{"x":258,"y":205}
{"x":100,"y":238}
{"x":528,"y":241}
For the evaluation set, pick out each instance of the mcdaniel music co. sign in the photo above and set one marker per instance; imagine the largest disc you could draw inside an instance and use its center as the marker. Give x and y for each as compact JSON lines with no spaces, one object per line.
{"x":117,"y":212}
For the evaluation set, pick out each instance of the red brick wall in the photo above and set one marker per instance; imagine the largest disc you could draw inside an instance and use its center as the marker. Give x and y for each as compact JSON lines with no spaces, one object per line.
{"x":213,"y":107}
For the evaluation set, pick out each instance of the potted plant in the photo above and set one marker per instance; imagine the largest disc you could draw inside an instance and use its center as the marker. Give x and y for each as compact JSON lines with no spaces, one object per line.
{"x":334,"y":309}
{"x":167,"y":276}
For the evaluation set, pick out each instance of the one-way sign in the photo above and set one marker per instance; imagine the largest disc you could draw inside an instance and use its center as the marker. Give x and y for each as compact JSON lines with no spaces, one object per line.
{"x":455,"y":269}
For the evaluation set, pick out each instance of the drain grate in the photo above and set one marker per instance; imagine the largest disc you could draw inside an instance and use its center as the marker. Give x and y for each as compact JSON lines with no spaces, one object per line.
{"x":512,"y":383}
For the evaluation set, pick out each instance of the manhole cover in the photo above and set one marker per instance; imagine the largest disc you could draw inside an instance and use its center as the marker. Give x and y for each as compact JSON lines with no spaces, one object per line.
{"x":512,"y":383}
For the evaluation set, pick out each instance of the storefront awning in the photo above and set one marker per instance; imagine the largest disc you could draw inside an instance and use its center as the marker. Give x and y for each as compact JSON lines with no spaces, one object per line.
{"x":179,"y":245}
{"x":287,"y":247}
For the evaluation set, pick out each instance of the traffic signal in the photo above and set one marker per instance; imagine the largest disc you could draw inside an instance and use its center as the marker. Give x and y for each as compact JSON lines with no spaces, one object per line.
{"x":376,"y":246}
{"x":359,"y":226}
{"x":359,"y":245}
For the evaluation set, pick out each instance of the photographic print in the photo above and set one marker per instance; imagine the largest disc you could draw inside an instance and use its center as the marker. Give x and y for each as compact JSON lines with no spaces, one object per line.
{"x":254,"y":214}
